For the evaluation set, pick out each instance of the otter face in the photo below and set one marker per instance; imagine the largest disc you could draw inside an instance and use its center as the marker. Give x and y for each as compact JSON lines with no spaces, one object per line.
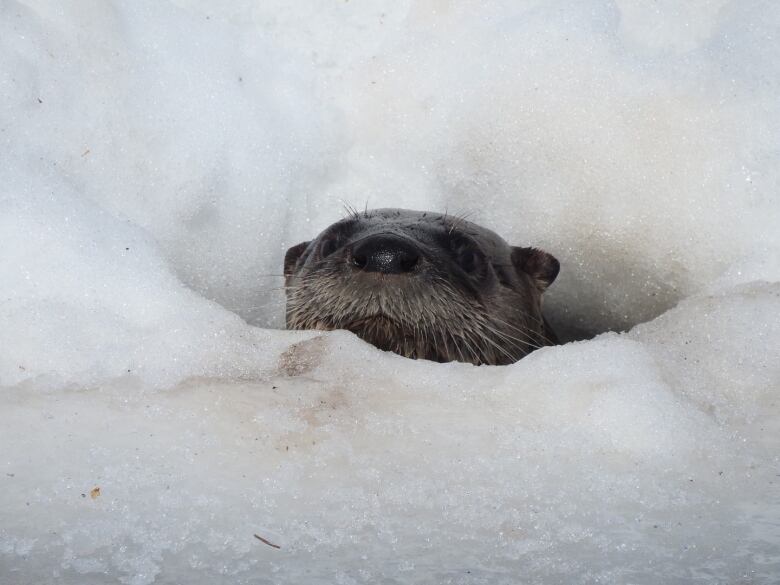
{"x":423,"y":285}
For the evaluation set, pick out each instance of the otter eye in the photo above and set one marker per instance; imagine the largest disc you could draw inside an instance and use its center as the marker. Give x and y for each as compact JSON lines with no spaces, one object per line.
{"x":467,"y":259}
{"x":336,"y":236}
{"x":328,"y":246}
{"x":466,"y":254}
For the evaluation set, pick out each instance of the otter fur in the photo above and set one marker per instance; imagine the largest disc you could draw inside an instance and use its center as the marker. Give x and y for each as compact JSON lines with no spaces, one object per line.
{"x":423,"y":285}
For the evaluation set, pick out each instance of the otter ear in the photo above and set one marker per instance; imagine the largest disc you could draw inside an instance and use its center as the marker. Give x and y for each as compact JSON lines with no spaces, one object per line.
{"x":538,"y":264}
{"x":291,"y":257}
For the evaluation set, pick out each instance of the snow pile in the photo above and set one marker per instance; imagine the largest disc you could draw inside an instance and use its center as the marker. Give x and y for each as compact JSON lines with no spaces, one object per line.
{"x":159,"y":158}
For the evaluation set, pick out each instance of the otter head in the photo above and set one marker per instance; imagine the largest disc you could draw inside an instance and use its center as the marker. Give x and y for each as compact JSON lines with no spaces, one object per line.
{"x":423,"y":285}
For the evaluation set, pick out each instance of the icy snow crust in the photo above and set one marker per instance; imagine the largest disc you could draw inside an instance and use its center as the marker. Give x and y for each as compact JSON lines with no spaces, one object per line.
{"x":159,"y":157}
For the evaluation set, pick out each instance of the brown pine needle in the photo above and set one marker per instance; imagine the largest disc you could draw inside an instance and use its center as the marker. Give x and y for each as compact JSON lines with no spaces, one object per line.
{"x":268,"y":542}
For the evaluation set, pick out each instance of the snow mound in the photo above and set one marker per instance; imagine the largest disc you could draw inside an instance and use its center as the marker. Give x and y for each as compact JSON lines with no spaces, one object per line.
{"x":160,"y":157}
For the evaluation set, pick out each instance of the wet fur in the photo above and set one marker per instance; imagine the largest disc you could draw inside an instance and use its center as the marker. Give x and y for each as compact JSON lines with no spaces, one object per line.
{"x":472,"y":298}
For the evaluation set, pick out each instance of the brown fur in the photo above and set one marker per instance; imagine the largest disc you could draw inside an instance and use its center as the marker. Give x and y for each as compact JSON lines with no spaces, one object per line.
{"x":469,"y":296}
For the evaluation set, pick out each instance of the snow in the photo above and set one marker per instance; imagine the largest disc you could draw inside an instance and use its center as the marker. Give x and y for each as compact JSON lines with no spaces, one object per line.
{"x":160,"y":157}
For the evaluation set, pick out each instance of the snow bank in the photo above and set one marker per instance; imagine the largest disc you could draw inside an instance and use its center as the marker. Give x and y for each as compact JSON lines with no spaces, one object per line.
{"x":160,"y":157}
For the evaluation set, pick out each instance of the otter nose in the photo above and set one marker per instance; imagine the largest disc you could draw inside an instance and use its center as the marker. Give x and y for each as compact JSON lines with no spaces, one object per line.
{"x":385,"y":253}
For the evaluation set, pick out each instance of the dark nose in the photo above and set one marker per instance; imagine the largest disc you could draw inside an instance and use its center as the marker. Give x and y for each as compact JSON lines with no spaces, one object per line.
{"x":385,"y":253}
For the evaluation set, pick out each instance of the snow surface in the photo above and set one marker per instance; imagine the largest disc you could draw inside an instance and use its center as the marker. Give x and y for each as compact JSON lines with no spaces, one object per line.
{"x":159,"y":158}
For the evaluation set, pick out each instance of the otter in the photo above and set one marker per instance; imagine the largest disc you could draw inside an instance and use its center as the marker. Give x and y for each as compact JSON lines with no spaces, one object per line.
{"x":423,"y":285}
